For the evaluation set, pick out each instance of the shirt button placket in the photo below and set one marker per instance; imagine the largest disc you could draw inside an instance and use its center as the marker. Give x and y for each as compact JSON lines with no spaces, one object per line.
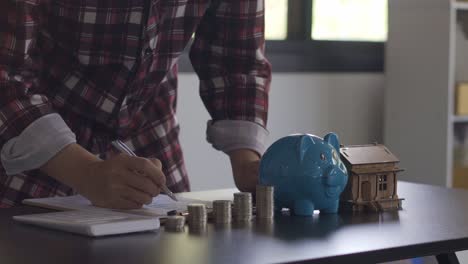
{"x":148,"y":51}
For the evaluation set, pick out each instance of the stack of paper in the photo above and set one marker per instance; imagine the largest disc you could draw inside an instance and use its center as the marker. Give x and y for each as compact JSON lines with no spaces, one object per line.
{"x":159,"y":207}
{"x":83,"y":218}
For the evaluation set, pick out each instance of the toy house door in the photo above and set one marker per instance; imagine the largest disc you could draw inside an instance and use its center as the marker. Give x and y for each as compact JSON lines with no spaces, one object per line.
{"x":366,"y":191}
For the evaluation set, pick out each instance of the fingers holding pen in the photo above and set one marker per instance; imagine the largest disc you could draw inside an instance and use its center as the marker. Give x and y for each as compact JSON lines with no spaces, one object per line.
{"x":136,"y":196}
{"x":151,"y":168}
{"x":122,"y":182}
{"x":156,"y":162}
{"x":161,"y":176}
{"x":142,"y":183}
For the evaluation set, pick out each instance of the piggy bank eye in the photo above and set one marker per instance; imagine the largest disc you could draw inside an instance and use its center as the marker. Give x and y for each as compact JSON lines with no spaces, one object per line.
{"x":322,"y":156}
{"x":335,"y":156}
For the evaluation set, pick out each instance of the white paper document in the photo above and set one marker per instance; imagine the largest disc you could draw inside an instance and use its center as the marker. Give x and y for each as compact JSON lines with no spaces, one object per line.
{"x":159,"y":207}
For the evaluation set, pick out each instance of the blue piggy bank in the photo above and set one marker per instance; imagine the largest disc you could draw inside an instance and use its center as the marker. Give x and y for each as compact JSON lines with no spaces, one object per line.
{"x":307,"y":173}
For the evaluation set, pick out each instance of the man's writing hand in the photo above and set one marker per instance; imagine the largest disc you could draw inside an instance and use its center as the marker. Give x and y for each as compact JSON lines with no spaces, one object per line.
{"x":121,"y":182}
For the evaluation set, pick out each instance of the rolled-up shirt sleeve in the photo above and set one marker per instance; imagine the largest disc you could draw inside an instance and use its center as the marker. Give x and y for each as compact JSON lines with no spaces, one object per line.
{"x":36,"y":144}
{"x":229,"y":135}
{"x":31,"y":132}
{"x":228,"y":55}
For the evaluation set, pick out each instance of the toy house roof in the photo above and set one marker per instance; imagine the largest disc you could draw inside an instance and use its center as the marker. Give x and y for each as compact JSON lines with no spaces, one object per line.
{"x":367,"y":154}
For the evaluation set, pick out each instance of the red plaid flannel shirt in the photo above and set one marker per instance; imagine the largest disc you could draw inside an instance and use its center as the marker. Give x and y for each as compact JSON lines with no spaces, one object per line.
{"x":109,"y":68}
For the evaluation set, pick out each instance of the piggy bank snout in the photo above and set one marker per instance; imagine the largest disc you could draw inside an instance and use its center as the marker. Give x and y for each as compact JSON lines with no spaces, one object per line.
{"x":334,"y":176}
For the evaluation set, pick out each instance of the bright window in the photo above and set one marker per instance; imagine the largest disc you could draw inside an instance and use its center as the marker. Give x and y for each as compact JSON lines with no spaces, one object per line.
{"x":276,"y":17}
{"x":349,"y":20}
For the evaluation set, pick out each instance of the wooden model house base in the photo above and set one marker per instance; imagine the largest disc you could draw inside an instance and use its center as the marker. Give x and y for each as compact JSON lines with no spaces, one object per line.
{"x":372,"y":183}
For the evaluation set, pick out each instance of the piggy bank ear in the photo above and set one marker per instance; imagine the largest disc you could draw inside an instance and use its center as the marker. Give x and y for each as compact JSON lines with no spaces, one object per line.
{"x":333,"y":140}
{"x":304,"y":144}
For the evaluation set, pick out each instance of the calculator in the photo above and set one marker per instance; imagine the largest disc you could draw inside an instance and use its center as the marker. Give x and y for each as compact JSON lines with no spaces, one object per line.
{"x":92,"y":223}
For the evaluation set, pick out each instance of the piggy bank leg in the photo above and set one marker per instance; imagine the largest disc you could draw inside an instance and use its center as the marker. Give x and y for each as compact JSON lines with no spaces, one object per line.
{"x":303,"y":208}
{"x":278,"y":207}
{"x":333,"y":209}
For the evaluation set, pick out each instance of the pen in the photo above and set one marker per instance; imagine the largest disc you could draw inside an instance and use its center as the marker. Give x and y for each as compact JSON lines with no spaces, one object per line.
{"x":125,"y":149}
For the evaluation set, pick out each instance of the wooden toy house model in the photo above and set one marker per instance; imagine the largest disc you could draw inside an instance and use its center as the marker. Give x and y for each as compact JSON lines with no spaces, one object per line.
{"x":372,"y":183}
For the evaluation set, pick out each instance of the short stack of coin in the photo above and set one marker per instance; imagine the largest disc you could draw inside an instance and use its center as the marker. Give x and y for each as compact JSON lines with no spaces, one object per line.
{"x":175,"y":223}
{"x":264,"y":202}
{"x":243,"y":206}
{"x":222,"y":211}
{"x":197,"y":216}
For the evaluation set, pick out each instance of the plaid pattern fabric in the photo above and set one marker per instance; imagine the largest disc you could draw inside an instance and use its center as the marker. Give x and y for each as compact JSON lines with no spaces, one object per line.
{"x":109,"y":68}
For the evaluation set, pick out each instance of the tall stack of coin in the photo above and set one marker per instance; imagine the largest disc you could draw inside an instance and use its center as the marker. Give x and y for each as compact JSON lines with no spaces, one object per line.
{"x":222,"y":211}
{"x":243,"y":206}
{"x":175,"y":223}
{"x":197,"y":216}
{"x":264,"y":202}
{"x":265,"y":226}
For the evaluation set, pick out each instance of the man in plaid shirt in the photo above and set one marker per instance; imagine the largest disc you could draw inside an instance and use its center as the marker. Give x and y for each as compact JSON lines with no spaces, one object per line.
{"x":76,"y":75}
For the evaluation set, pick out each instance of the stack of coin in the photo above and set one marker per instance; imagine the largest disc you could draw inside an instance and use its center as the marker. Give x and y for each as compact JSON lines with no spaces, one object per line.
{"x":175,"y":223}
{"x":264,"y":201}
{"x":243,"y":206}
{"x":222,"y":211}
{"x":197,"y":215}
{"x":265,"y":226}
{"x":201,"y":230}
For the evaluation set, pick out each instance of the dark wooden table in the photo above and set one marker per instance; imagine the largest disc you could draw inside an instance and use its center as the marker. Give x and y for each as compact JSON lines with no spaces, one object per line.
{"x":434,"y":221}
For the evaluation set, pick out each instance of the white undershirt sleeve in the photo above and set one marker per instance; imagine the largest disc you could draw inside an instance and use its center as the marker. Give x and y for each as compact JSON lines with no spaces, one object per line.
{"x":36,"y":145}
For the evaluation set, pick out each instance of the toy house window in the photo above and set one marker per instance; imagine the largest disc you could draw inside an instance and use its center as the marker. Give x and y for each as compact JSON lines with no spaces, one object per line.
{"x":382,"y":182}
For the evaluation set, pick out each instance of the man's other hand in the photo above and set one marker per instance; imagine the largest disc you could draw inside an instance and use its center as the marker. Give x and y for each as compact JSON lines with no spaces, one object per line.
{"x":245,"y":164}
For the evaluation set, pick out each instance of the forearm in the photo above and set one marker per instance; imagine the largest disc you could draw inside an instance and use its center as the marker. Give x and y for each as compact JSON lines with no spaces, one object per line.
{"x":70,"y":165}
{"x":245,"y":164}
